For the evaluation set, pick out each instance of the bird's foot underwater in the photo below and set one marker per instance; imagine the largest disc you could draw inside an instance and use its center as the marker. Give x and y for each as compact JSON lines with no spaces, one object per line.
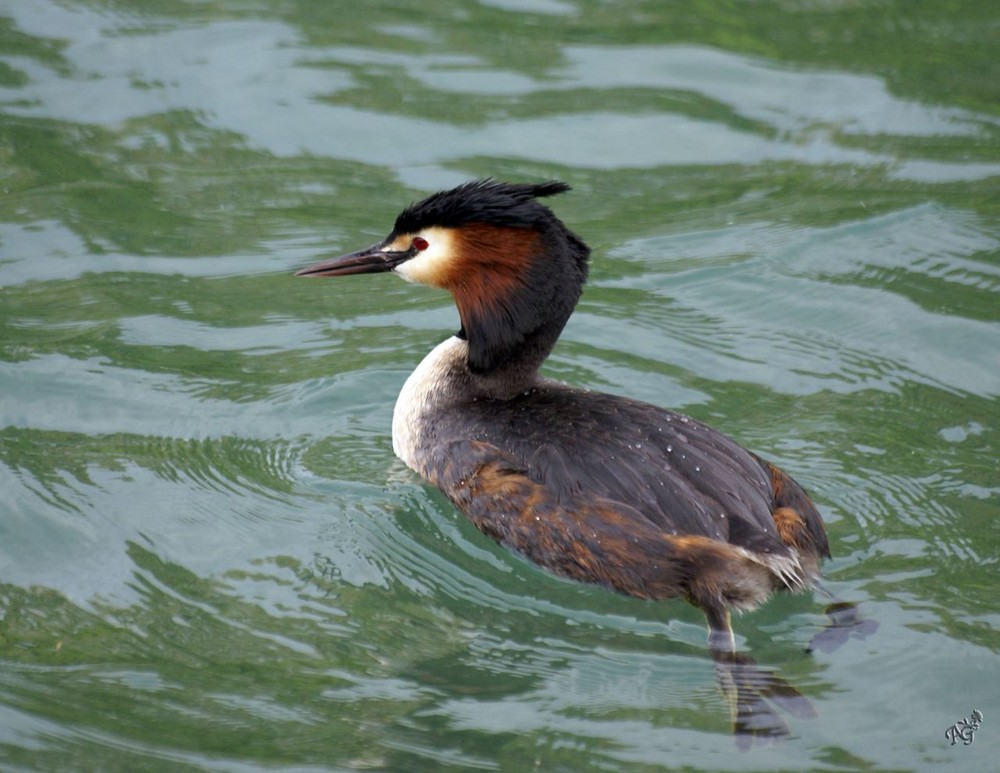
{"x":754,"y":694}
{"x":845,"y":623}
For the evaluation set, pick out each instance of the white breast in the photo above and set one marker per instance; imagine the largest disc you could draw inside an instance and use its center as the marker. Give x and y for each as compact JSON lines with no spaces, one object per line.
{"x":433,"y":381}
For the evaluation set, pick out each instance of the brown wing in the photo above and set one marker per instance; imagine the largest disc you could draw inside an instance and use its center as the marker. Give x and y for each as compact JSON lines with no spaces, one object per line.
{"x":592,"y":539}
{"x":681,"y":476}
{"x":798,"y":522}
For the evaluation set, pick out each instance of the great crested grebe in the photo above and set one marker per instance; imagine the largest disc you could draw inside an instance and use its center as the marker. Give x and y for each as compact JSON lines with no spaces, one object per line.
{"x":594,"y":487}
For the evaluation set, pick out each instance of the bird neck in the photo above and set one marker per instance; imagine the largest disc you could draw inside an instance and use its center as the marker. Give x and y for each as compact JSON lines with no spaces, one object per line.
{"x":513,"y":310}
{"x":517,"y":371}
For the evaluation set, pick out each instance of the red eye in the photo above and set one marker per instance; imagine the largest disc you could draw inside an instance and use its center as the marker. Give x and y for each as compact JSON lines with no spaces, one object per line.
{"x":419,"y":243}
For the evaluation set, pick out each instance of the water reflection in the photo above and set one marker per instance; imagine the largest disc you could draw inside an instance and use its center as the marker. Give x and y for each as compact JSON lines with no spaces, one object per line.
{"x":690,"y":104}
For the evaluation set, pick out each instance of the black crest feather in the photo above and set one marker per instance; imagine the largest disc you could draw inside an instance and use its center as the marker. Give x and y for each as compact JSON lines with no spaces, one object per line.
{"x":481,"y":201}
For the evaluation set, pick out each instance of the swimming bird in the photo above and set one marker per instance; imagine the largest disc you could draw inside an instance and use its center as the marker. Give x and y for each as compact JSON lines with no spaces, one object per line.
{"x":594,"y":487}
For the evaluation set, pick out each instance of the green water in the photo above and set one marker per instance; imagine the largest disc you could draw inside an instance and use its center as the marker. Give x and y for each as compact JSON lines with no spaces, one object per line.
{"x":209,"y":557}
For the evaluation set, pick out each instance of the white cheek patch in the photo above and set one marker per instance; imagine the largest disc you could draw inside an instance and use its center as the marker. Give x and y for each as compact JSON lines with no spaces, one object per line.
{"x":433,"y":265}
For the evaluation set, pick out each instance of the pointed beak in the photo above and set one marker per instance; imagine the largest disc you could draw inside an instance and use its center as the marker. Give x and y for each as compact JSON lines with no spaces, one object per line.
{"x":371,"y":260}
